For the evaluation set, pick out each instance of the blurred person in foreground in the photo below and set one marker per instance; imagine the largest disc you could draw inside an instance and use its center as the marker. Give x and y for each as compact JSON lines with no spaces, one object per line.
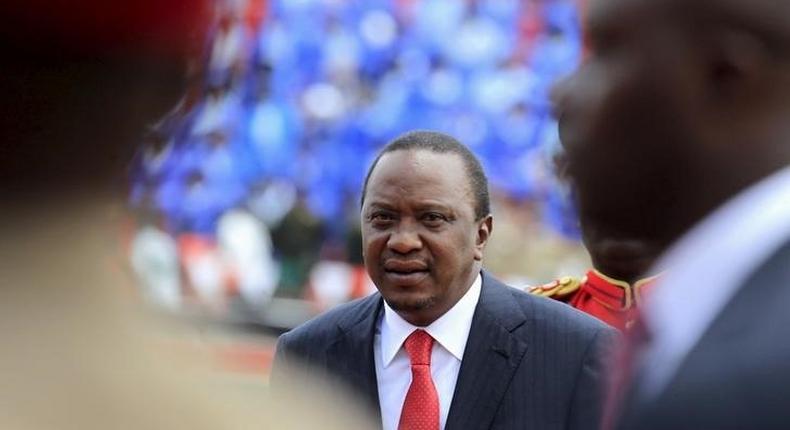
{"x":614,"y":299}
{"x":81,"y":81}
{"x":677,"y":128}
{"x":443,"y":344}
{"x":616,"y":287}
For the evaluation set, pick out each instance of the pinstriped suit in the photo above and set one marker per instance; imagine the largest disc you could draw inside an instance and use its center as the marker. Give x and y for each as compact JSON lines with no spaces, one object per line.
{"x":530,"y":362}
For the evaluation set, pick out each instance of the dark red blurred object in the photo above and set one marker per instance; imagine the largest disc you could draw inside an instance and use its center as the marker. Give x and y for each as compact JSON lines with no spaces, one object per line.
{"x":81,"y":81}
{"x":167,"y":27}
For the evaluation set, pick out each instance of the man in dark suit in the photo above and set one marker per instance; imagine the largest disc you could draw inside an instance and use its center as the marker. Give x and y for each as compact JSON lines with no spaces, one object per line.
{"x":677,"y":129}
{"x":443,"y":344}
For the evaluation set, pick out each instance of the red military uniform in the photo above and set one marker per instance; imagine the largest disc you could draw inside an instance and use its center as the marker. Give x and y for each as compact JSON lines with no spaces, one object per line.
{"x":613,"y":301}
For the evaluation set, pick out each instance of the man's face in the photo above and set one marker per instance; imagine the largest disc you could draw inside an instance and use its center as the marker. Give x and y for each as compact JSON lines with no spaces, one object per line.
{"x":422,"y":245}
{"x":625,"y":116}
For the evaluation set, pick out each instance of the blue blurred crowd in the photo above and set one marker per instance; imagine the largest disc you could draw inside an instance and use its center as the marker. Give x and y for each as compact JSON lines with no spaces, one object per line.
{"x":293,"y":98}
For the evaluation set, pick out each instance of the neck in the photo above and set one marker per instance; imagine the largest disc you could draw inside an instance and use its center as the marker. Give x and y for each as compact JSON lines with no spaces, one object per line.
{"x":627,"y":260}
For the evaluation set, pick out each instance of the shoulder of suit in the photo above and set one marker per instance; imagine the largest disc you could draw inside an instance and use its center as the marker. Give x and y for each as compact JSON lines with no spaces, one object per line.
{"x":560,"y":320}
{"x":559,"y":289}
{"x":340,"y":318}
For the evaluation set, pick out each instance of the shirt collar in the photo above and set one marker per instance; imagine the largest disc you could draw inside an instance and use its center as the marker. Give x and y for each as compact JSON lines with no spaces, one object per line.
{"x":451,"y":330}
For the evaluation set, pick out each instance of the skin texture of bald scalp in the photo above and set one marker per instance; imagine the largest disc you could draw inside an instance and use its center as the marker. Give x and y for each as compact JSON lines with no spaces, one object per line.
{"x":679,"y":106}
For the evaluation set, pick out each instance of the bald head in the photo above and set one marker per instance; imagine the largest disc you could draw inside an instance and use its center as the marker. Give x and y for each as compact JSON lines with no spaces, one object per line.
{"x":743,"y":50}
{"x":767,"y":19}
{"x":681,"y":105}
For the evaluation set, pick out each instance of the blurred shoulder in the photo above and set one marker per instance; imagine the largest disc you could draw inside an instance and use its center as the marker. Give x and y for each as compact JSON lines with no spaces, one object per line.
{"x":332,"y":323}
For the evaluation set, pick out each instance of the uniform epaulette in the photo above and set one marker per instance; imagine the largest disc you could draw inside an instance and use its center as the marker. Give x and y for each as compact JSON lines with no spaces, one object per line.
{"x":559,"y":289}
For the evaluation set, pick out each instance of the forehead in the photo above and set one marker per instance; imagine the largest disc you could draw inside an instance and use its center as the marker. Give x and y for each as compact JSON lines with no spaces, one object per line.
{"x":418,"y":174}
{"x":604,"y":14}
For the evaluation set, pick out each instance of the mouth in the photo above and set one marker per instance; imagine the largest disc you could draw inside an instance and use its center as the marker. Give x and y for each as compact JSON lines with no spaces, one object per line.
{"x":406,"y":273}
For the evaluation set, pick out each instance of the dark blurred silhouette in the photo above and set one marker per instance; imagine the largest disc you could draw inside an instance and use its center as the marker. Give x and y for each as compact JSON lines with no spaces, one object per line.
{"x":677,"y":129}
{"x":81,"y":80}
{"x":615,"y":288}
{"x":78,"y":89}
{"x":298,"y":239}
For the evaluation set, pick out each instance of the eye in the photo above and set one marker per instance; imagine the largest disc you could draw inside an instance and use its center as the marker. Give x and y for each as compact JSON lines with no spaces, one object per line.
{"x":381,"y":219}
{"x":433,"y":219}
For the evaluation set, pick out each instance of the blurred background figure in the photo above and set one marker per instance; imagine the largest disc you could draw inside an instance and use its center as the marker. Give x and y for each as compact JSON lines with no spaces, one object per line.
{"x":614,"y":300}
{"x":154,"y":260}
{"x":246,"y":248}
{"x":618,"y":284}
{"x":84,"y":80}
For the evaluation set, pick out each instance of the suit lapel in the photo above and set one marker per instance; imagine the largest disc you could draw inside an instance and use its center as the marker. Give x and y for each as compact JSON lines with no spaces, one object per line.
{"x":351,"y":356}
{"x":492,"y":356}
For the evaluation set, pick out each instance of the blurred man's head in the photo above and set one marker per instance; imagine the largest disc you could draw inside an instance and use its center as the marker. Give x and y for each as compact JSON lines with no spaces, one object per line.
{"x":627,"y":257}
{"x":679,"y":106}
{"x":425,"y":223}
{"x":81,"y":81}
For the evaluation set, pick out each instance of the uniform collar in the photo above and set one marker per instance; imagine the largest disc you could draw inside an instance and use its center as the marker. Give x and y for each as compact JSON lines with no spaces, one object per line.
{"x":614,"y":293}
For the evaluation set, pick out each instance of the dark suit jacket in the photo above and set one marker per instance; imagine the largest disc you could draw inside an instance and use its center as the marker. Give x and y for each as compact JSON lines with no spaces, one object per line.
{"x":530,"y":362}
{"x":738,"y":374}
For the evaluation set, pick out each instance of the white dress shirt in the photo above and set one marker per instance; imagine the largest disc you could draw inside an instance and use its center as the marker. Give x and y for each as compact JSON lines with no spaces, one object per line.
{"x":393,"y":367}
{"x":704,"y":269}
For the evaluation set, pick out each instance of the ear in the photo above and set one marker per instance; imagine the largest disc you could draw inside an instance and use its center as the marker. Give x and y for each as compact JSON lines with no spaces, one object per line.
{"x":484,"y":228}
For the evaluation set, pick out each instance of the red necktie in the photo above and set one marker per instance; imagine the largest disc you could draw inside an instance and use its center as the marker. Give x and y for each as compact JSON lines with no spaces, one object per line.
{"x":623,"y":374}
{"x":421,"y":407}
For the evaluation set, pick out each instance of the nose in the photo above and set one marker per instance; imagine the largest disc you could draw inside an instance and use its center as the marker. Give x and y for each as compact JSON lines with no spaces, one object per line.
{"x":404,"y":239}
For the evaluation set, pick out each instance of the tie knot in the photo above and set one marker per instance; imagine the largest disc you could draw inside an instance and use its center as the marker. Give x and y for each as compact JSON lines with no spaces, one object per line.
{"x":418,"y":345}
